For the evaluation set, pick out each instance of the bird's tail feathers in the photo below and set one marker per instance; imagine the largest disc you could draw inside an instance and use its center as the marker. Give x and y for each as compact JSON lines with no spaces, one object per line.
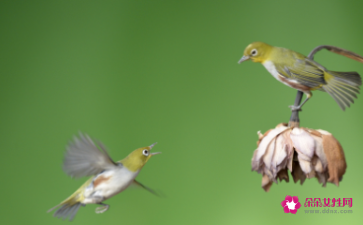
{"x":352,"y":78}
{"x":69,"y":207}
{"x":66,"y":210}
{"x":343,"y":87}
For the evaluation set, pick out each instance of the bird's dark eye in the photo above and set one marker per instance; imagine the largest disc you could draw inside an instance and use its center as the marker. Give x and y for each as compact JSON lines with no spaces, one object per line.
{"x":145,"y":152}
{"x":254,"y":52}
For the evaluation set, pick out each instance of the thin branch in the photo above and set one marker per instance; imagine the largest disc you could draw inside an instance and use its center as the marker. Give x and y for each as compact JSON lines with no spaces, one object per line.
{"x":294,"y":119}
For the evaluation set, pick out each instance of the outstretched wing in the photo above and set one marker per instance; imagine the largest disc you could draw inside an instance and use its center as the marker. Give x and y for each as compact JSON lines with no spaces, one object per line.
{"x":83,"y":158}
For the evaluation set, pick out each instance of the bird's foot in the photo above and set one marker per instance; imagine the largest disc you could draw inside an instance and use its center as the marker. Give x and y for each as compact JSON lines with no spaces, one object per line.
{"x":295,"y":108}
{"x":102,"y":209}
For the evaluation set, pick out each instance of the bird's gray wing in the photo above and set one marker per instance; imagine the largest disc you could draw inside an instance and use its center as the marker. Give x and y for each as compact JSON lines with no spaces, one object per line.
{"x":84,"y":158}
{"x":305,"y":71}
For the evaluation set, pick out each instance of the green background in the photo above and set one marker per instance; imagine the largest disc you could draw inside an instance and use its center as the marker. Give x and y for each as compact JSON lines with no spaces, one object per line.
{"x":131,"y":73}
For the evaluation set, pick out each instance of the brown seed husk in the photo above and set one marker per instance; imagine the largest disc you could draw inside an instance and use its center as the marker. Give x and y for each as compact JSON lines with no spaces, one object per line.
{"x":266,"y":183}
{"x":335,"y":157}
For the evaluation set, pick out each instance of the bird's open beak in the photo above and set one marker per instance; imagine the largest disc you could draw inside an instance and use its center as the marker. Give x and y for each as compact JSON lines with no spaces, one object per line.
{"x":154,"y":153}
{"x":244,"y":58}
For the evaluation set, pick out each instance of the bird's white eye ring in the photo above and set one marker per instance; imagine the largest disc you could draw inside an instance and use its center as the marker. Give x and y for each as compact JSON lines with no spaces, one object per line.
{"x":145,"y":152}
{"x":254,"y":52}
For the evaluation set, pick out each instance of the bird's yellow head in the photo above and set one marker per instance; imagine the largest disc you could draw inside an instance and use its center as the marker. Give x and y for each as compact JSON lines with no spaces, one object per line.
{"x":257,"y":52}
{"x":138,"y":158}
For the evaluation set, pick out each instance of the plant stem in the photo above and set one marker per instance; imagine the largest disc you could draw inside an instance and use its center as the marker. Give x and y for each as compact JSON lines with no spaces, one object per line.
{"x":294,"y":119}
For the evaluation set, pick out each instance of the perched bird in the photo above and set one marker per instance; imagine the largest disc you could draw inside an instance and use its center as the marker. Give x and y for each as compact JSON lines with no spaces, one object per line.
{"x":83,"y":158}
{"x":304,"y":74}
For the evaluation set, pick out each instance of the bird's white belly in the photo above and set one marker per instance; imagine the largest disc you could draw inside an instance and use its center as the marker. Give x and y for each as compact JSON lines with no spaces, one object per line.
{"x":270,"y":67}
{"x":110,"y":183}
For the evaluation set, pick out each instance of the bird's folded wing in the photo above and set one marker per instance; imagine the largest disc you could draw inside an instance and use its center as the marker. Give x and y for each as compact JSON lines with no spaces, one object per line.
{"x":83,"y":158}
{"x":304,"y":71}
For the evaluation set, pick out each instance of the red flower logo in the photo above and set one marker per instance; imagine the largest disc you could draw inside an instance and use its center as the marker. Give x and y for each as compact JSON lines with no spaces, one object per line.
{"x":291,"y":204}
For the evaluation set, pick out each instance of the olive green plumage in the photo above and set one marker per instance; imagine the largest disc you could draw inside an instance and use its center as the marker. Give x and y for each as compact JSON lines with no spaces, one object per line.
{"x":304,"y":74}
{"x":87,"y":157}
